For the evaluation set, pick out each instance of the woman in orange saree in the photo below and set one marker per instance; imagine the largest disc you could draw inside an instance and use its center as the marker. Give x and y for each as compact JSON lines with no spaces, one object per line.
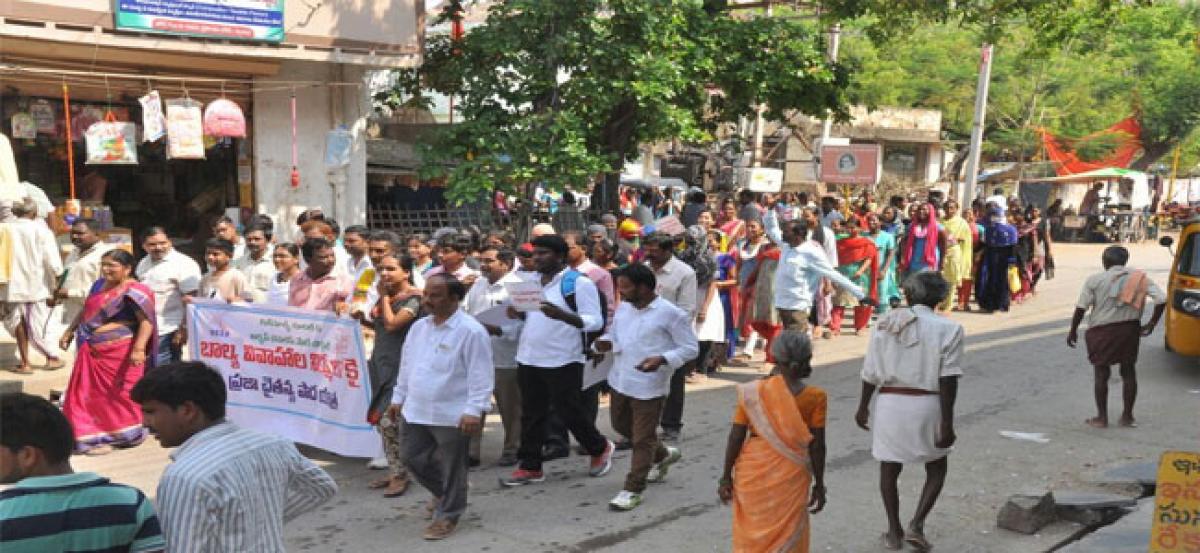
{"x":776,"y":453}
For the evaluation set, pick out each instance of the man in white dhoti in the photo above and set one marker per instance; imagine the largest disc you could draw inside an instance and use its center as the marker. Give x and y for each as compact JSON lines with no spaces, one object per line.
{"x":913,"y":360}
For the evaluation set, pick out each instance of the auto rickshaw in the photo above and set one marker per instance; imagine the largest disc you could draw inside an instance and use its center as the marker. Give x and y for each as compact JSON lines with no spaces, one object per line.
{"x":1183,"y":291}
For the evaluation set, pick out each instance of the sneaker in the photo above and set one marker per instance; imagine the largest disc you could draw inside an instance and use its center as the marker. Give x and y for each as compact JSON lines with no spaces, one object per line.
{"x":440,"y":529}
{"x":658,"y":472}
{"x":378,"y":463}
{"x":520,"y":477}
{"x":625,"y":501}
{"x":602,"y":463}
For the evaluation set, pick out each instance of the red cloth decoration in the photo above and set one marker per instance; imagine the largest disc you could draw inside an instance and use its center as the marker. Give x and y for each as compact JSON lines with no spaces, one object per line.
{"x":1067,"y":162}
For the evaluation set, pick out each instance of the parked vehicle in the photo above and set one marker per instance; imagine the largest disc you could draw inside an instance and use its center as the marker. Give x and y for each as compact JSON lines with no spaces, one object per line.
{"x":1183,"y":292}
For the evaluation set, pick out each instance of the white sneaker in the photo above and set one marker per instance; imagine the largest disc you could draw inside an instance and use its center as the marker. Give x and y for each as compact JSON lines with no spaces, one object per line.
{"x":625,"y":501}
{"x":378,"y":463}
{"x":658,"y":472}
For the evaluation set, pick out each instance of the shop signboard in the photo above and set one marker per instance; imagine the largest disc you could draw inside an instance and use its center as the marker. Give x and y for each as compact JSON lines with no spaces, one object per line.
{"x":226,"y":19}
{"x":850,"y":164}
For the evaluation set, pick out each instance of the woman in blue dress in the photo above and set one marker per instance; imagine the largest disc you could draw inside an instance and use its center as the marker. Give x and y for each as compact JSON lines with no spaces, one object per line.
{"x":885,"y":242}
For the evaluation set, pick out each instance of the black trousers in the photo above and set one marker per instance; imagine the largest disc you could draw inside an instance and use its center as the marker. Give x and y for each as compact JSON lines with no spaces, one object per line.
{"x":543,"y":389}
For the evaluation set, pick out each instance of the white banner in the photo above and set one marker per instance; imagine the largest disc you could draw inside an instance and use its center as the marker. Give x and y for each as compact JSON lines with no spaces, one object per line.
{"x":295,"y":373}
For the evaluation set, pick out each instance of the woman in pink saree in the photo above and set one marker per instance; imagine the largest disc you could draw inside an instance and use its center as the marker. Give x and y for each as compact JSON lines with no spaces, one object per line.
{"x":114,"y":347}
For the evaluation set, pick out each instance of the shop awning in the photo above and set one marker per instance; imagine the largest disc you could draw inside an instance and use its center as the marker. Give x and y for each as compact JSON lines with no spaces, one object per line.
{"x":1105,"y":174}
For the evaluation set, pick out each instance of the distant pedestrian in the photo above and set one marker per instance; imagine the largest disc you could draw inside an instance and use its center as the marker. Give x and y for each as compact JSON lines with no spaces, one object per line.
{"x":677,"y":283}
{"x":1116,"y":298}
{"x":443,"y":390}
{"x":34,"y":263}
{"x":650,"y":339}
{"x":227,"y":488}
{"x":914,"y":360}
{"x":171,"y":275}
{"x":52,"y":508}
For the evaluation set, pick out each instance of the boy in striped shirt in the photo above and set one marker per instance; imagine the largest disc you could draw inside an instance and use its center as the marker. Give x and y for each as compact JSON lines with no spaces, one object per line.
{"x":51,"y":508}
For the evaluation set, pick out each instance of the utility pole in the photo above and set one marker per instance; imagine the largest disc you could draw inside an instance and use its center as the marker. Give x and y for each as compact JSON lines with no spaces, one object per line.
{"x":758,"y":119}
{"x":966,"y":192}
{"x":835,"y":34}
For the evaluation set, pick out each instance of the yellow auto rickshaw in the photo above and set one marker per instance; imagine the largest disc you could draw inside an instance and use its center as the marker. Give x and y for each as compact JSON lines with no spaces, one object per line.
{"x":1183,"y":291}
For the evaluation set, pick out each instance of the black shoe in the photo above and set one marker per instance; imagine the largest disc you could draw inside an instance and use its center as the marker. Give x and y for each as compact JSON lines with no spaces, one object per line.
{"x":624,"y":445}
{"x":472,"y":462}
{"x":508,"y":459}
{"x":550,"y":453}
{"x":670,"y":436}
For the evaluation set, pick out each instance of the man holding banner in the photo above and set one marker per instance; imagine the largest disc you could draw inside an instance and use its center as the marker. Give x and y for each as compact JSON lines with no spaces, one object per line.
{"x":443,"y":389}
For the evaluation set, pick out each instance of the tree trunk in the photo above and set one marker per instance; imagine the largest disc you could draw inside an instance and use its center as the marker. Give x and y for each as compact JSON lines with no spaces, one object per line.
{"x":1151,"y":153}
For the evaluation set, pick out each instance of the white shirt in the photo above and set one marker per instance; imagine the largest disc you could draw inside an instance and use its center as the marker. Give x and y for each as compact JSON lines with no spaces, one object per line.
{"x":800,"y":270}
{"x":36,"y":262}
{"x":485,"y":295}
{"x":356,"y":270}
{"x":172,"y":277}
{"x":997,"y":199}
{"x":676,"y":284}
{"x":277,"y":292}
{"x":82,"y":272}
{"x":258,"y":274}
{"x":231,"y":489}
{"x":549,"y":343}
{"x":660,"y":328}
{"x":445,"y":371}
{"x":927,"y":347}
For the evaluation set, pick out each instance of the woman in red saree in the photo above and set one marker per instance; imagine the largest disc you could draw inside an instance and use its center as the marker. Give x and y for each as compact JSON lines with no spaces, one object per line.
{"x":858,"y":260}
{"x":113,"y":348}
{"x":775,"y":458}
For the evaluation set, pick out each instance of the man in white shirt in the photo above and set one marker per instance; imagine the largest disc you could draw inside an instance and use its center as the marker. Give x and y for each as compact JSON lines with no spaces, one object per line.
{"x":650,"y":339}
{"x":443,"y":389}
{"x":802,"y":265}
{"x":550,"y":360}
{"x":82,"y":268}
{"x":914,"y":360}
{"x":489,"y":293}
{"x":830,"y":215}
{"x":354,"y":241}
{"x":227,"y":488}
{"x":997,"y":198}
{"x":256,"y":265}
{"x":452,"y":259}
{"x":676,"y":283}
{"x":36,"y":265}
{"x":226,"y":229}
{"x":171,"y":275}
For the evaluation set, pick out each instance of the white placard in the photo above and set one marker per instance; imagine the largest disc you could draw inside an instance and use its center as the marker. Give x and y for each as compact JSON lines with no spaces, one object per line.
{"x":525,"y":295}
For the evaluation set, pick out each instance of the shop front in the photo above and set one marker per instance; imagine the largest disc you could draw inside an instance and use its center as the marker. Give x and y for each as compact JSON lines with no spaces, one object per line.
{"x":246,"y":119}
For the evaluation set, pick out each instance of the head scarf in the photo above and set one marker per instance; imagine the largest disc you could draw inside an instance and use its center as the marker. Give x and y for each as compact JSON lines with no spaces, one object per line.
{"x":697,"y":255}
{"x":928,"y":231}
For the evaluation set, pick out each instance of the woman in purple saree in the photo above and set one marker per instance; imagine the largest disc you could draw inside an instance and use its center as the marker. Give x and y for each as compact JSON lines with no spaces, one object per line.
{"x":114,"y":347}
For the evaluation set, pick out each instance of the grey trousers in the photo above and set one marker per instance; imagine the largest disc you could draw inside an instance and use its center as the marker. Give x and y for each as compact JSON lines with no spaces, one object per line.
{"x":436,"y":457}
{"x":508,"y":401}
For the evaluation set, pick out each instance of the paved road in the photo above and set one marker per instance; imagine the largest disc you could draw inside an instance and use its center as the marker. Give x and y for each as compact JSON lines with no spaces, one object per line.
{"x":1019,"y":376}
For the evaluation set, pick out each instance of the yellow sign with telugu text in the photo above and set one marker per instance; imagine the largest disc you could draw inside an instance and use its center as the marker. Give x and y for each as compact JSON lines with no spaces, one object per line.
{"x":1176,"y":526}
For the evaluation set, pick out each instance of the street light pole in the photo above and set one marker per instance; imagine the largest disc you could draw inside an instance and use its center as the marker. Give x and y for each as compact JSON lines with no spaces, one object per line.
{"x":966,"y":192}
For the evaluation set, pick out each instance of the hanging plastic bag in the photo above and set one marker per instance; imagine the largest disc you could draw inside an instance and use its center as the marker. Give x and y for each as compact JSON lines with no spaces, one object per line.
{"x":43,"y":114}
{"x":24,"y":126}
{"x":1014,"y":280}
{"x":338,"y":145}
{"x":223,"y":118}
{"x":153,"y":122}
{"x":185,"y":129}
{"x":111,"y":142}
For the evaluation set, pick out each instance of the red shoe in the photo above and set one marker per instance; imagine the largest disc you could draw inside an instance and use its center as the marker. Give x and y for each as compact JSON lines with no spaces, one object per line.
{"x":602,"y":463}
{"x":520,"y":477}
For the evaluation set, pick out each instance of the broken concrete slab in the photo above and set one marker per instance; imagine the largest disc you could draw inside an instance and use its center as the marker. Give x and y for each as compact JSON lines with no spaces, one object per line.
{"x":1130,"y":534}
{"x":1026,"y":513}
{"x":1145,"y":474}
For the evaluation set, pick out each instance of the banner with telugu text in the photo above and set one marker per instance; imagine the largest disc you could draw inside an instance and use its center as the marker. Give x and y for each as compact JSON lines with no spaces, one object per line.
{"x":294,"y":373}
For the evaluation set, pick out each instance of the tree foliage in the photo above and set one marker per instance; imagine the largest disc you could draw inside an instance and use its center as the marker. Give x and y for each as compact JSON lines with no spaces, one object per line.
{"x":1142,"y":59}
